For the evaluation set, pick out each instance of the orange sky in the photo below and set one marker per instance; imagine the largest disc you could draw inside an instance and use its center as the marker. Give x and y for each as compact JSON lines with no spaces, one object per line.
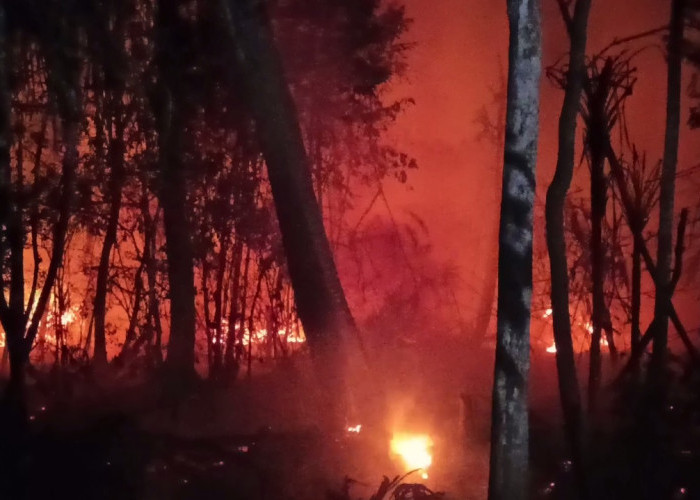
{"x":460,"y":45}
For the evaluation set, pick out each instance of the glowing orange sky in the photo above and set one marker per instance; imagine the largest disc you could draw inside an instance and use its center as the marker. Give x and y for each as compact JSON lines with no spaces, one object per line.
{"x":460,"y":45}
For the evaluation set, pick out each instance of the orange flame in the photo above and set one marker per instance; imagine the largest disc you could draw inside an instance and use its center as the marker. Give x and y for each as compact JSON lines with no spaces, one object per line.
{"x":414,"y":451}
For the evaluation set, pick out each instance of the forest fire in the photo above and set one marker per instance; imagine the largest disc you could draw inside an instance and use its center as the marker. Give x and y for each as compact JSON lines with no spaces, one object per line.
{"x":586,"y":327}
{"x":415,"y":451}
{"x":256,"y":249}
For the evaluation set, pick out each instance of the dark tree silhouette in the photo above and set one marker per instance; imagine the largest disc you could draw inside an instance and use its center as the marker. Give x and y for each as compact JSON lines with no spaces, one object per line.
{"x":569,"y":392}
{"x":61,"y":47}
{"x":667,"y":187}
{"x":320,"y":299}
{"x":169,"y":108}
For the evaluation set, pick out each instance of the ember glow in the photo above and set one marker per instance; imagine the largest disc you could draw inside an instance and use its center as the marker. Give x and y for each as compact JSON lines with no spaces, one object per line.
{"x":355,"y":429}
{"x":415,"y":451}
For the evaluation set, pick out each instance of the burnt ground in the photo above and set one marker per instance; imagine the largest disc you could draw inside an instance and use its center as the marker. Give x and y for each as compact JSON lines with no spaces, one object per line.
{"x":259,"y":438}
{"x":256,"y":439}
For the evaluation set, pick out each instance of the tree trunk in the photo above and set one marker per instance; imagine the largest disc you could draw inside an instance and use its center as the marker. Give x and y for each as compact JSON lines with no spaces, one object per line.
{"x":636,"y":298}
{"x":554,"y":213}
{"x":116,"y":182}
{"x":149,"y":259}
{"x":599,"y":314}
{"x":179,"y":362}
{"x":180,"y":357}
{"x":217,"y":362}
{"x":229,"y":355}
{"x":130,"y":336}
{"x":12,"y":323}
{"x":320,"y":299}
{"x":667,"y":186}
{"x":509,"y":421}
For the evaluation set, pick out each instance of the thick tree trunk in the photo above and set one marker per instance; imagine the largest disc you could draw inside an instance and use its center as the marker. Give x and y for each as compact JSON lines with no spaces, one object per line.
{"x":509,"y":419}
{"x":179,"y":362}
{"x":178,"y":247}
{"x":554,"y":213}
{"x":320,"y":300}
{"x":668,"y":186}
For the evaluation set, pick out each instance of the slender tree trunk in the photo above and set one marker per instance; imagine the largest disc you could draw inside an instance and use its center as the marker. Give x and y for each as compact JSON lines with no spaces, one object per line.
{"x":636,"y":298}
{"x":598,"y":203}
{"x":130,"y":336}
{"x":116,"y":182}
{"x":207,"y":315}
{"x":554,"y":213}
{"x":241,"y":315}
{"x":251,"y":318}
{"x":13,"y":323}
{"x":668,"y":186}
{"x":509,"y":463}
{"x":149,"y":259}
{"x":229,"y":355}
{"x":217,"y":361}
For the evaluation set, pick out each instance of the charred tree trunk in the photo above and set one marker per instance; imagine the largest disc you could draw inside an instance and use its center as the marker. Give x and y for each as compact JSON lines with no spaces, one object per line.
{"x":554,"y":213}
{"x":668,"y":187}
{"x":179,"y":362}
{"x":509,"y":421}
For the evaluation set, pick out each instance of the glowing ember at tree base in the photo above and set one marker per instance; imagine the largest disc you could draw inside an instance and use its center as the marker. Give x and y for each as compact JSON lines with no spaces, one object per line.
{"x":415,"y":451}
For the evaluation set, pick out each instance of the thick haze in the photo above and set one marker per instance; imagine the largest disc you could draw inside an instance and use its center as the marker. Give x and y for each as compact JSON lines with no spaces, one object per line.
{"x":461,"y":47}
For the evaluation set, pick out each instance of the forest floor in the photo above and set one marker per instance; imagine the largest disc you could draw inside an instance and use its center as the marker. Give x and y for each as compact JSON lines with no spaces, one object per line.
{"x":259,"y":438}
{"x":256,"y":439}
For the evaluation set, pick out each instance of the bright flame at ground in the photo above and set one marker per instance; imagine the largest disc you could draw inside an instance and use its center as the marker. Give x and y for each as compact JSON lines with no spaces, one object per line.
{"x":552,"y":348}
{"x":355,"y":428}
{"x":414,"y":450}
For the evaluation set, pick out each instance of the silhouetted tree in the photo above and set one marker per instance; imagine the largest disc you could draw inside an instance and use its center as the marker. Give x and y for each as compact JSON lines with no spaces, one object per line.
{"x":172,"y":26}
{"x":667,"y":186}
{"x":554,"y":212}
{"x":320,"y":299}
{"x":58,"y":36}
